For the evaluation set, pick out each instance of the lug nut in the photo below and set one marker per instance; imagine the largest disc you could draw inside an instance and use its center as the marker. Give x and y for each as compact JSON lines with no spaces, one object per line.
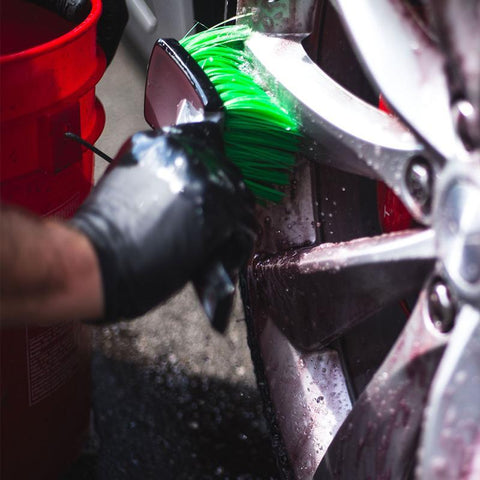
{"x":467,"y":122}
{"x":441,"y":306}
{"x":419,"y":182}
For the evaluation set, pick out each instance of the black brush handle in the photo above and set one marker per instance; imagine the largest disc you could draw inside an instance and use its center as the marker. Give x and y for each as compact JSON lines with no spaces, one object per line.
{"x":216,"y":289}
{"x":173,"y":77}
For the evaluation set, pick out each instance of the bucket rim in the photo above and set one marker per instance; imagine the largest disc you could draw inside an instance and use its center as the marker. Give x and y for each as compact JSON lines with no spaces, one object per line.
{"x":58,"y":42}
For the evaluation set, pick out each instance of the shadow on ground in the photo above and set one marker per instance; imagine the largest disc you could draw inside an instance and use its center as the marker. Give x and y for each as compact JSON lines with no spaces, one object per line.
{"x":161,"y":423}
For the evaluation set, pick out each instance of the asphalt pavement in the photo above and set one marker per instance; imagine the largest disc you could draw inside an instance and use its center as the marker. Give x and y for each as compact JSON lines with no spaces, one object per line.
{"x":172,"y":399}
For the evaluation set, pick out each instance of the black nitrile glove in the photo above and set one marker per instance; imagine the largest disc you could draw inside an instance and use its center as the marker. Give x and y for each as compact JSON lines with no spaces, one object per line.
{"x":168,"y":208}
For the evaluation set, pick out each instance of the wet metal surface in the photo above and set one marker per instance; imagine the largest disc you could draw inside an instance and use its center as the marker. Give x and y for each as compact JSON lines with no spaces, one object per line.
{"x":427,"y":112}
{"x":311,"y":415}
{"x":329,"y":288}
{"x":379,"y":437}
{"x":450,"y":444}
{"x":360,"y":139}
{"x":293,"y":222}
{"x":279,"y":16}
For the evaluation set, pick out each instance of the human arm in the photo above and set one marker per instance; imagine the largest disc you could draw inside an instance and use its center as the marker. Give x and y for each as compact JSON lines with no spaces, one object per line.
{"x":48,"y":271}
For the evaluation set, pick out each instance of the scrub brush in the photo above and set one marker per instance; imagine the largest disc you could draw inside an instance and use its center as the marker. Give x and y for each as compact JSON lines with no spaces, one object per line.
{"x":209,"y":77}
{"x":261,"y":137}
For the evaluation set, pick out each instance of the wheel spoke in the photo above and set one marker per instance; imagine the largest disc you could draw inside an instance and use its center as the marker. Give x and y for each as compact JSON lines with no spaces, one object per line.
{"x":340,"y":129}
{"x":406,"y":66}
{"x":309,"y":407}
{"x":452,"y":422}
{"x":379,"y":436}
{"x":457,"y":24}
{"x":316,"y":294}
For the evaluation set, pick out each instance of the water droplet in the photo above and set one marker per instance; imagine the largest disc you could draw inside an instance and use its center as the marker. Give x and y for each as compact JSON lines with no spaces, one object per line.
{"x":460,"y":377}
{"x":193,"y":425}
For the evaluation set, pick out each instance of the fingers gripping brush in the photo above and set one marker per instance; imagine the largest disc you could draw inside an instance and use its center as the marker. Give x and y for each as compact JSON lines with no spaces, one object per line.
{"x":209,"y":77}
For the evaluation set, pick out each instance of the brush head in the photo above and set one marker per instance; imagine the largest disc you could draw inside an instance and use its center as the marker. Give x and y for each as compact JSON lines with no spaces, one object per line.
{"x":261,"y":136}
{"x":211,"y":76}
{"x":178,"y":90}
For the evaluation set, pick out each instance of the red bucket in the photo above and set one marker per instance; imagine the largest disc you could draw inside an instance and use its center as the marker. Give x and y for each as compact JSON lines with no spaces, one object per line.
{"x":48,"y":71}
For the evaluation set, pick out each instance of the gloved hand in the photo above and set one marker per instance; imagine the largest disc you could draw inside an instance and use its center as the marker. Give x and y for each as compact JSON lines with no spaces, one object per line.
{"x":168,"y":207}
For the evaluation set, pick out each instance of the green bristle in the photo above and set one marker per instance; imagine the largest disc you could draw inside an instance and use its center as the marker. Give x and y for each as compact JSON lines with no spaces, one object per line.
{"x":261,"y":138}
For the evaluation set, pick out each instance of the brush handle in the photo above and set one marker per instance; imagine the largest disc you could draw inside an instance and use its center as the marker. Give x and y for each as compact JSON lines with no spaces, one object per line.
{"x":215,"y":289}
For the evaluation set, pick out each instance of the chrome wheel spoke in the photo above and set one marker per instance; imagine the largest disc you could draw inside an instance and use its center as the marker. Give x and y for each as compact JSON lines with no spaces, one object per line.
{"x":340,"y":129}
{"x":379,"y":436}
{"x":406,"y":66}
{"x":457,"y":25}
{"x":452,"y":422}
{"x":332,"y":287}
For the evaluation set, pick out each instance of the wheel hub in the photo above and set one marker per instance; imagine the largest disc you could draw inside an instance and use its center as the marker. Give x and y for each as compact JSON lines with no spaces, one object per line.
{"x":457,"y":225}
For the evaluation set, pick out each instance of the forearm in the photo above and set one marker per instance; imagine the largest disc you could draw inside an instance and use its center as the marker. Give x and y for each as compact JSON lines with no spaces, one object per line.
{"x":48,"y":271}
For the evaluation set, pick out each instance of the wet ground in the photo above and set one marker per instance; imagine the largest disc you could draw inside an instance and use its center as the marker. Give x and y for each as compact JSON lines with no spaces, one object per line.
{"x":172,"y":399}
